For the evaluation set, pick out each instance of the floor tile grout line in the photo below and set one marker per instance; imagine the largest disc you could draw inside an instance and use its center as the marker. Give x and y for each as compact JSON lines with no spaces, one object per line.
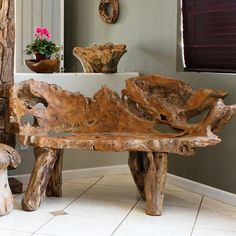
{"x":125,"y":217}
{"x":42,"y":226}
{"x":67,"y":205}
{"x":199,"y":208}
{"x":82,"y":193}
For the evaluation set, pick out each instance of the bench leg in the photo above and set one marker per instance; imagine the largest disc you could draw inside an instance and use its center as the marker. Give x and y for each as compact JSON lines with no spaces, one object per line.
{"x":155,"y":182}
{"x":136,"y":165}
{"x":45,"y":159}
{"x":149,"y":171}
{"x":54,"y":188}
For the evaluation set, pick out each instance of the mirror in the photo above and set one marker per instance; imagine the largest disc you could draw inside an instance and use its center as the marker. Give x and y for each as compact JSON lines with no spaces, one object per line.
{"x":37,"y":13}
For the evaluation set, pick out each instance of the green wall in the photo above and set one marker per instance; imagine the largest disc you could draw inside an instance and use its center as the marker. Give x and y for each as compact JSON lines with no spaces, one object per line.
{"x":150,"y":29}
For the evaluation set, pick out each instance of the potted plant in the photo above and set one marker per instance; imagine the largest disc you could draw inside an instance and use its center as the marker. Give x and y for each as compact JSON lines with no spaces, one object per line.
{"x":42,"y":48}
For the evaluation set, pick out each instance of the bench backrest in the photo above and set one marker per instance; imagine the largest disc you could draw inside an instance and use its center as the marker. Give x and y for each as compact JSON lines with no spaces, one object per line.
{"x":147,"y":102}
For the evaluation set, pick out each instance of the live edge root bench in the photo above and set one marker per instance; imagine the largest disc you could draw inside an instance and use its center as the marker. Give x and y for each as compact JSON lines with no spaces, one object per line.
{"x":58,"y":120}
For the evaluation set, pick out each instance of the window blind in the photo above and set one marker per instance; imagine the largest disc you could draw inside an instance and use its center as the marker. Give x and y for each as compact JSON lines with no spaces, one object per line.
{"x":209,"y":33}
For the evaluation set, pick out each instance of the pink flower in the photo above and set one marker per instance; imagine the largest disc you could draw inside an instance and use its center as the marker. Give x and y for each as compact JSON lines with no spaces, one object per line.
{"x":45,"y":31}
{"x":38,"y":30}
{"x":42,"y":32}
{"x":49,"y":35}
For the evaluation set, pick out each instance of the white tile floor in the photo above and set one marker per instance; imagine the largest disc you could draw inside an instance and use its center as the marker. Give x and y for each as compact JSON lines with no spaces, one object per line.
{"x":110,"y":205}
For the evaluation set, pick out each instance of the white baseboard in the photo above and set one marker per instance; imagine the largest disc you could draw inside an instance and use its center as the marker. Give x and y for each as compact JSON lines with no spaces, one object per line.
{"x":98,"y":171}
{"x":202,"y":189}
{"x":83,"y":173}
{"x":187,"y":184}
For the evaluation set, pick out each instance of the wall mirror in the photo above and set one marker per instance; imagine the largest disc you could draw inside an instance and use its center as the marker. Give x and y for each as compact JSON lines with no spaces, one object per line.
{"x":37,"y":13}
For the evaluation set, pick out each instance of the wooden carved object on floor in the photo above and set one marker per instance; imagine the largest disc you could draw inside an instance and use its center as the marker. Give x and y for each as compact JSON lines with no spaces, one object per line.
{"x":7,"y":43}
{"x":59,"y":120}
{"x":104,"y":11}
{"x":8,"y":157}
{"x":100,"y":58}
{"x":15,"y":185}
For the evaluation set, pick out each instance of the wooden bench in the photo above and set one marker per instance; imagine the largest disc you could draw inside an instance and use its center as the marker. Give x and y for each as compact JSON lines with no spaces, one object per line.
{"x":62,"y":120}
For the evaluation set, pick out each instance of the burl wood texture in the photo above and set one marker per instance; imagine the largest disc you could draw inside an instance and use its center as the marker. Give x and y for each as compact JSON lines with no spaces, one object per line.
{"x":7,"y":42}
{"x":59,"y":120}
{"x":107,"y":122}
{"x":100,"y":58}
{"x":42,"y":171}
{"x":43,"y":66}
{"x":8,"y":158}
{"x":55,"y":181}
{"x":149,"y":171}
{"x":104,"y":13}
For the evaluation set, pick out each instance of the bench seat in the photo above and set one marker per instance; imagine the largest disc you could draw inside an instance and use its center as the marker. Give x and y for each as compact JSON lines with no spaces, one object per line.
{"x":116,"y":142}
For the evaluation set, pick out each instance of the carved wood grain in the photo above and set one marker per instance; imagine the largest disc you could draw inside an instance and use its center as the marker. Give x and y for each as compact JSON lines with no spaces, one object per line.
{"x":104,"y":13}
{"x":100,"y":58}
{"x":54,"y":188}
{"x":8,"y":158}
{"x":154,"y":182}
{"x":137,"y":168}
{"x":107,"y":122}
{"x":7,"y":43}
{"x":45,"y":159}
{"x":149,"y":171}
